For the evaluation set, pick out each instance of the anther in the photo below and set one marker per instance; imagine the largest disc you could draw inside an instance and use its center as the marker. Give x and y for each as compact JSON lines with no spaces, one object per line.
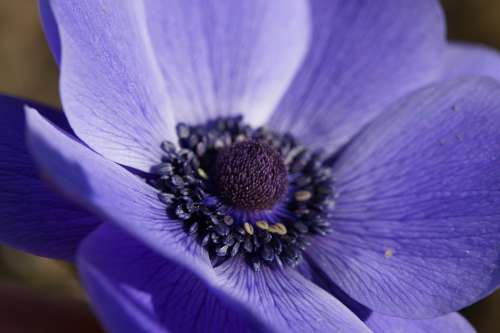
{"x":303,"y":196}
{"x":248,"y":228}
{"x":228,"y":220}
{"x":202,"y":173}
{"x":262,"y":224}
{"x":278,"y":228}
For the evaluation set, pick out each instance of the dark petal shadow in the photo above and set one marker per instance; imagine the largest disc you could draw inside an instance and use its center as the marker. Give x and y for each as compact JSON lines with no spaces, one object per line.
{"x":32,"y":216}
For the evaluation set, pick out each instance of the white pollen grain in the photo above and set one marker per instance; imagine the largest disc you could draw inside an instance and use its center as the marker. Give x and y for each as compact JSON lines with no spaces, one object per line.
{"x":389,"y":253}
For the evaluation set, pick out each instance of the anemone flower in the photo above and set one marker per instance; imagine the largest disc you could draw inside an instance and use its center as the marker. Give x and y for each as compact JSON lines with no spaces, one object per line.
{"x":283,"y":166}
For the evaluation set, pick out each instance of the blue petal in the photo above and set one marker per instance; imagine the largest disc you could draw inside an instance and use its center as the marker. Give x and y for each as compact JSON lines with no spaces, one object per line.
{"x":135,"y":290}
{"x":379,"y":323}
{"x":364,"y":55}
{"x":471,"y":59}
{"x":227,"y":57}
{"x":32,"y":217}
{"x":112,"y":192}
{"x":112,"y":90}
{"x":50,"y":28}
{"x":131,"y":70}
{"x":286,"y":300}
{"x":449,"y":323}
{"x":416,"y":229}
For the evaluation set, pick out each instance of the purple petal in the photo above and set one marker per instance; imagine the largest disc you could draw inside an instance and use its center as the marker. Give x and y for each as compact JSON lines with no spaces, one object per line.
{"x":471,"y":59}
{"x":416,"y":229}
{"x":111,"y":87}
{"x":32,"y":217}
{"x":134,"y":290}
{"x":121,"y":90}
{"x":126,"y":280}
{"x":50,"y":28}
{"x":113,"y":192}
{"x":227,"y":57}
{"x":379,"y":323}
{"x":450,"y":323}
{"x":286,"y":300}
{"x":364,"y":54}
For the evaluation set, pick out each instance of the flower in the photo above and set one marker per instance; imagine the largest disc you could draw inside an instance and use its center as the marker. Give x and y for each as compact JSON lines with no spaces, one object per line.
{"x":392,"y":227}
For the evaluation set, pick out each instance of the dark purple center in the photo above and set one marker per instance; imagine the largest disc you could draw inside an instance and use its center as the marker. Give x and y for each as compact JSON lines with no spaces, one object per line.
{"x":250,"y":175}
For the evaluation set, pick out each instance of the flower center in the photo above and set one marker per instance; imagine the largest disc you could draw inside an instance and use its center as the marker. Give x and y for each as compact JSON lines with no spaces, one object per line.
{"x":244,"y":191}
{"x":250,"y":175}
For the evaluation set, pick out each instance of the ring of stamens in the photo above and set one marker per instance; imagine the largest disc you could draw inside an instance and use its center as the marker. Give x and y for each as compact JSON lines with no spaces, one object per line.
{"x":189,"y":183}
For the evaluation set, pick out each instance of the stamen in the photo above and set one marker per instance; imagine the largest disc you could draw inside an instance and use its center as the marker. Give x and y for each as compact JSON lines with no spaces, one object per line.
{"x":244,"y":191}
{"x":302,"y":196}
{"x":262,"y":224}
{"x":248,"y":228}
{"x":278,"y":228}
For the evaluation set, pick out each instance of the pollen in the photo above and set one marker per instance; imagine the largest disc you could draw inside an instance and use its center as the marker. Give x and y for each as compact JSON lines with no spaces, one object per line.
{"x":262,"y":224}
{"x":303,"y":196}
{"x":278,"y":228}
{"x":202,"y":173}
{"x":248,"y":228}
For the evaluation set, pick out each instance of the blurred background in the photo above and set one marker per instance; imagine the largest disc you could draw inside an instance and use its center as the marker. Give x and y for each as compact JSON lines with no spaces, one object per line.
{"x":27,"y":69}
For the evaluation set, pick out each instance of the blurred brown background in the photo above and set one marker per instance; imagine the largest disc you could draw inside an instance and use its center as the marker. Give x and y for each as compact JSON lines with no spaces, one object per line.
{"x":27,"y":69}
